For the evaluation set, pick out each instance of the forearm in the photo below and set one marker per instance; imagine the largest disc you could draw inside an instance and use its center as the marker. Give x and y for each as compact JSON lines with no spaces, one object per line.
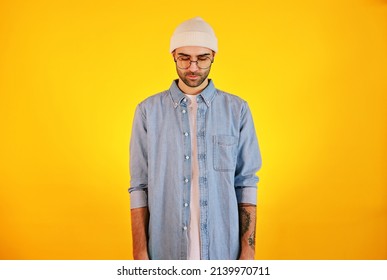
{"x":247,"y":221}
{"x":140,"y":220}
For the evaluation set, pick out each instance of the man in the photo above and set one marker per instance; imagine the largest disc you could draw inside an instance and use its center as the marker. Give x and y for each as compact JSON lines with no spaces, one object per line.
{"x":193,"y":159}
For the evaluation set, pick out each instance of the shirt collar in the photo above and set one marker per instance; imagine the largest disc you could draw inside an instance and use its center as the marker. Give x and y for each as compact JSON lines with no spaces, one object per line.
{"x":178,"y":96}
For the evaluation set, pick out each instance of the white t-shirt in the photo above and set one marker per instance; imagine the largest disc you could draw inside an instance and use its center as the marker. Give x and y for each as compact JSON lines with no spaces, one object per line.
{"x":194,"y":224}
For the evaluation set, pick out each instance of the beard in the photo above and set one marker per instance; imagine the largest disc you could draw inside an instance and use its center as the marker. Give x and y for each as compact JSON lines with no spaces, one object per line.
{"x":200,"y":77}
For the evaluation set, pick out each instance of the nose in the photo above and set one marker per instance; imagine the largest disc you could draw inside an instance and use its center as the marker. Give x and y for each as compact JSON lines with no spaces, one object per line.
{"x":193,"y":66}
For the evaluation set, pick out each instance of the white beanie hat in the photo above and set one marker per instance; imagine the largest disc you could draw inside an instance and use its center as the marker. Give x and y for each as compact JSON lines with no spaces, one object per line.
{"x":194,"y":32}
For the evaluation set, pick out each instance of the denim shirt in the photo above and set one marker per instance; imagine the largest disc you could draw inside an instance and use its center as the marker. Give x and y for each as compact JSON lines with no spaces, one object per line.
{"x":160,"y":169}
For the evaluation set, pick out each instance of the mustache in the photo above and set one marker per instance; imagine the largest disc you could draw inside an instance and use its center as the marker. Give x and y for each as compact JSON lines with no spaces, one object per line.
{"x":192,"y":73}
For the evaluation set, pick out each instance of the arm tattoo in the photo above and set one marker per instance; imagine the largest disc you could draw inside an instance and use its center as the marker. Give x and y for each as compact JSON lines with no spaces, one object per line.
{"x":245,"y":221}
{"x":252,"y":240}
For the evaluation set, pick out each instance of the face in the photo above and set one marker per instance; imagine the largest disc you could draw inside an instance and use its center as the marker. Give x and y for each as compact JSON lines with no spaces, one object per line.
{"x":193,"y":76}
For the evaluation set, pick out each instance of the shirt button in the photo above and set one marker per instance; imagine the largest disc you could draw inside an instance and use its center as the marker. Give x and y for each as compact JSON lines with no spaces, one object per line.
{"x":184,"y":111}
{"x":186,"y":157}
{"x":186,"y":204}
{"x":186,"y":180}
{"x":185,"y":227}
{"x":185,"y":133}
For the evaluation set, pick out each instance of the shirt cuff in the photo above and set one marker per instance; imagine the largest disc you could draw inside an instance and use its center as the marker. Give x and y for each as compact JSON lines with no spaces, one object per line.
{"x":138,"y":199}
{"x":246,"y":195}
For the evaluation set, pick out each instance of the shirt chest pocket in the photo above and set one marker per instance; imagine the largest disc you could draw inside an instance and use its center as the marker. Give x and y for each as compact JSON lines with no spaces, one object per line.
{"x":225,"y":152}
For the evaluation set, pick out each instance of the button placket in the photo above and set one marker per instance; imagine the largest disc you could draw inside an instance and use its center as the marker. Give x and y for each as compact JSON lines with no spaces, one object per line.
{"x":203,"y":183}
{"x":186,"y":171}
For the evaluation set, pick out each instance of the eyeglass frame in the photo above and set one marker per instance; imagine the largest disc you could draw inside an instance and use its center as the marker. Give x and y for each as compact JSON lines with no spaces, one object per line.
{"x":196,"y":61}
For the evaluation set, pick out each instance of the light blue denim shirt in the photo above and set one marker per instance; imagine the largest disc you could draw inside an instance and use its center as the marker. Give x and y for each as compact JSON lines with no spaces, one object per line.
{"x":160,"y":170}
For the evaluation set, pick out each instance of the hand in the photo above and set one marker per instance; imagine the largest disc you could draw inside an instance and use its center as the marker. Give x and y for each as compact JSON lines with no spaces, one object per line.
{"x":141,"y":256}
{"x":246,"y":256}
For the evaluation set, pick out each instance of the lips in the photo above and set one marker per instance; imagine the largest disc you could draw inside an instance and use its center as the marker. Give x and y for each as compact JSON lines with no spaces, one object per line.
{"x":192,"y":77}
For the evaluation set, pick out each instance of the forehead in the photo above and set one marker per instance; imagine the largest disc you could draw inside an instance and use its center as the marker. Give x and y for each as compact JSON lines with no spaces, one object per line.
{"x":193,"y":50}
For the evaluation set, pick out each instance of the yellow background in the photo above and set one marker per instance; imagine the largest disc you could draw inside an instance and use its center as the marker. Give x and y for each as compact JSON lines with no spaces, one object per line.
{"x":313,"y":72}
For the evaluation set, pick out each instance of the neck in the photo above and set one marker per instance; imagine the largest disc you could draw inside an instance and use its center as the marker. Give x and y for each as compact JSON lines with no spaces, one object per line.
{"x":192,"y":90}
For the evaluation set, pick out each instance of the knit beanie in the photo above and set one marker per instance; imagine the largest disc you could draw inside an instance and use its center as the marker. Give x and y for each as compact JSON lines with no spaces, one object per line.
{"x":194,"y":32}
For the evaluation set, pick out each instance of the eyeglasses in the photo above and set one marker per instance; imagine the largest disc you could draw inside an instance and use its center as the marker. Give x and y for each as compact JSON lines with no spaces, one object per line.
{"x":184,"y":62}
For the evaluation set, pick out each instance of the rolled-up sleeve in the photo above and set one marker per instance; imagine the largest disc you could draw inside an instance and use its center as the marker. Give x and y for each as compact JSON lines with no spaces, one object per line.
{"x":248,"y":160}
{"x":138,"y":161}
